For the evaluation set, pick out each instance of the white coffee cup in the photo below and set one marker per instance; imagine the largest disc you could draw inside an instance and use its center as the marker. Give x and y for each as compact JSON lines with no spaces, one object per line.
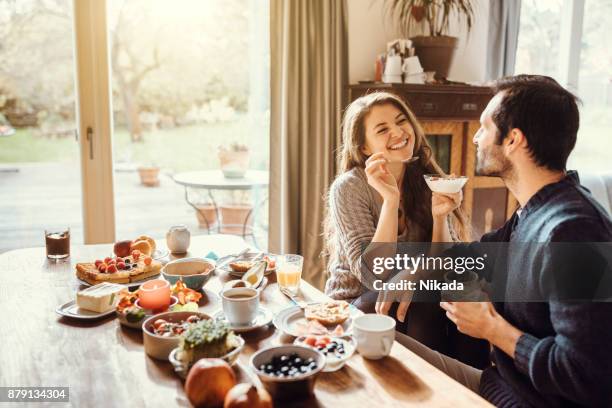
{"x":375,"y":334}
{"x":240,"y":305}
{"x":412,"y":66}
{"x":393,"y":66}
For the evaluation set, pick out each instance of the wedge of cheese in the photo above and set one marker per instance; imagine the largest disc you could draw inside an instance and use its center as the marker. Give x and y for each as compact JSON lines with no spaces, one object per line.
{"x":100,"y":298}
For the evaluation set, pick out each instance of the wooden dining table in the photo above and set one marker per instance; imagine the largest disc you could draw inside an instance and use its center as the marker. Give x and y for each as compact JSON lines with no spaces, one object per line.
{"x":104,"y":364}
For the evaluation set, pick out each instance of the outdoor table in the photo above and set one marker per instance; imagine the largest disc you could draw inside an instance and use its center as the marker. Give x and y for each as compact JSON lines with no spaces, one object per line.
{"x":214,"y":180}
{"x":104,"y":364}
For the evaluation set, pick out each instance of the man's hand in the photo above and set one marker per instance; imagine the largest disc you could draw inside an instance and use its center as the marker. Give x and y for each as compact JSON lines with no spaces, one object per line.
{"x":476,"y":319}
{"x":481,"y":320}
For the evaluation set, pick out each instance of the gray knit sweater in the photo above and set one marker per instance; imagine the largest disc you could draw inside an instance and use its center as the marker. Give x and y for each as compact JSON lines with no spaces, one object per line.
{"x":355,"y":208}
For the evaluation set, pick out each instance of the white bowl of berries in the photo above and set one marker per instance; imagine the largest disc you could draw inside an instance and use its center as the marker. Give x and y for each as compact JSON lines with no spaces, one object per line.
{"x":337,"y":350}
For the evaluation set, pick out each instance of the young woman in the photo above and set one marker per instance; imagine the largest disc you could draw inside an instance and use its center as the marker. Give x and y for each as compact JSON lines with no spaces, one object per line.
{"x":381,"y":198}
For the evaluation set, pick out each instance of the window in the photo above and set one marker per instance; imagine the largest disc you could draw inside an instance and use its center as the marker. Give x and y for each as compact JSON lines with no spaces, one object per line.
{"x":40,"y":183}
{"x":540,"y":50}
{"x":189,"y":77}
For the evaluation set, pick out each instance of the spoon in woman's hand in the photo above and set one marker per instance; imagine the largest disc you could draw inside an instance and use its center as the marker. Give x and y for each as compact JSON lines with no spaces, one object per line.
{"x":406,"y":161}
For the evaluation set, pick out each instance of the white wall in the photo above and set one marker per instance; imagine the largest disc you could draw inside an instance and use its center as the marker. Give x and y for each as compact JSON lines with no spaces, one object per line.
{"x":369,"y":30}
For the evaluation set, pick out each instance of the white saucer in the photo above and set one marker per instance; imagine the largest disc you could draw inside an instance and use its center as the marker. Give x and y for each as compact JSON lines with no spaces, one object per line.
{"x":264,"y":317}
{"x":70,"y":309}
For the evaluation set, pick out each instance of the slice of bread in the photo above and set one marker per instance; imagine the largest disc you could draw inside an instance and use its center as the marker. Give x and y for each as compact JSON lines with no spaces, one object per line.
{"x":328,"y":313}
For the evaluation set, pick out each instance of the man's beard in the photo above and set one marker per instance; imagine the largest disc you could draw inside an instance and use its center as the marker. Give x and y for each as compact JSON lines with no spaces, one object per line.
{"x":492,"y":162}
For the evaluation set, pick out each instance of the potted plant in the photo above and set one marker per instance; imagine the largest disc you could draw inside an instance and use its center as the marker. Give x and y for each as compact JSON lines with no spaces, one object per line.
{"x":149,"y":175}
{"x":234,"y":160}
{"x":435,"y":50}
{"x":207,"y":215}
{"x":236,"y":214}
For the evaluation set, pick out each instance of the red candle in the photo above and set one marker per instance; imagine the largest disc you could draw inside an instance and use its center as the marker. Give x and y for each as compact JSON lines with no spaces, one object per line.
{"x":154,"y":294}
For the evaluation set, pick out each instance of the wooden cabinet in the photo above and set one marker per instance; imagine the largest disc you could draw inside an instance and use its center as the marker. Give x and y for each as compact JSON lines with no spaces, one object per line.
{"x":450,"y":116}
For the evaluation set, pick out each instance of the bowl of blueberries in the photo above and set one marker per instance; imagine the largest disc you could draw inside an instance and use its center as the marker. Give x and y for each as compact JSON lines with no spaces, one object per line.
{"x":288,"y":371}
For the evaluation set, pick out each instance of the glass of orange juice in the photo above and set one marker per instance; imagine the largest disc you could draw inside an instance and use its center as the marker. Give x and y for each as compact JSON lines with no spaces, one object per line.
{"x":289,"y":273}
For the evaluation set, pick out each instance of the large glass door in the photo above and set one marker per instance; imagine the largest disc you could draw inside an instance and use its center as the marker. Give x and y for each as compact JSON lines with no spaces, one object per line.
{"x":40,"y":182}
{"x":190,"y":96}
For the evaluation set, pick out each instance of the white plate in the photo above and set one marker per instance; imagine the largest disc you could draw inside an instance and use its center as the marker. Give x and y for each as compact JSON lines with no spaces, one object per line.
{"x":287,"y":320}
{"x":264,"y":317}
{"x":70,"y":309}
{"x":157,"y":254}
{"x":333,"y":362}
{"x":246,"y":257}
{"x":127,"y":285}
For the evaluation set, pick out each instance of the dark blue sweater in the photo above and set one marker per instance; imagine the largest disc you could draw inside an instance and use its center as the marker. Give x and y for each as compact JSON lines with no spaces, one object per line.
{"x":564,"y":357}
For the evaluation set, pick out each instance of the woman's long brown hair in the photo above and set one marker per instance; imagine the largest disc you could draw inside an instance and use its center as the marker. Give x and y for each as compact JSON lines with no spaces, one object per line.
{"x":415,"y":192}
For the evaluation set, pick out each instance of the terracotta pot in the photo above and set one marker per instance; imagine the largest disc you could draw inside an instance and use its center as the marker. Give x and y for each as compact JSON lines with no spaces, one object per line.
{"x":233,"y":217}
{"x":149,"y":176}
{"x":435,"y":53}
{"x":234,"y":164}
{"x":207,"y":216}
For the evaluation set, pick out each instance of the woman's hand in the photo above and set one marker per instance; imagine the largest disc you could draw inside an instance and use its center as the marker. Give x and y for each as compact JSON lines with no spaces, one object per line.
{"x":381,"y":179}
{"x":443,"y":204}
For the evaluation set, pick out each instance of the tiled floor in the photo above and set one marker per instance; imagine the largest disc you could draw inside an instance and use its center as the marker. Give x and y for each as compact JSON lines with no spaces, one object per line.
{"x":48,"y":195}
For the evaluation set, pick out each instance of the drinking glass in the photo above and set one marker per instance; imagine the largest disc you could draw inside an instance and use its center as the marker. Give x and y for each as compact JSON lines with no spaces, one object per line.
{"x":57,"y":243}
{"x":289,"y":273}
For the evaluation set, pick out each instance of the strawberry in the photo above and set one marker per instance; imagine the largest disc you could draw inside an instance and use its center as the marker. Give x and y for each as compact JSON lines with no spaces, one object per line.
{"x":102,"y":267}
{"x":135,"y":254}
{"x":310,"y":340}
{"x":119,"y":259}
{"x":323,"y":341}
{"x":111,"y":262}
{"x":111,"y":268}
{"x":121,"y":265}
{"x":98,"y":262}
{"x":107,"y":259}
{"x":148,"y":260}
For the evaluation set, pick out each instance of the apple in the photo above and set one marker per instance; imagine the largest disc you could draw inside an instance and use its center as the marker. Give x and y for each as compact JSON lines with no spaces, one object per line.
{"x":122,"y":248}
{"x":208,"y":382}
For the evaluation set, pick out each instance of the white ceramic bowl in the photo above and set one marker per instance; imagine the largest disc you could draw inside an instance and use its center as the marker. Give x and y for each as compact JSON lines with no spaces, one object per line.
{"x":334,"y":363}
{"x":159,"y":347}
{"x":194,"y":272}
{"x":445,"y":184}
{"x":288,"y":388}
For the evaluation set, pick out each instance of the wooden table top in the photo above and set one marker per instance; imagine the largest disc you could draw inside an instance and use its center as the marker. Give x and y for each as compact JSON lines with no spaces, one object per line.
{"x":104,"y":364}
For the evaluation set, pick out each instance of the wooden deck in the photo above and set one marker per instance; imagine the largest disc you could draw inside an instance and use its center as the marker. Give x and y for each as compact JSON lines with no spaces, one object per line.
{"x":48,"y":195}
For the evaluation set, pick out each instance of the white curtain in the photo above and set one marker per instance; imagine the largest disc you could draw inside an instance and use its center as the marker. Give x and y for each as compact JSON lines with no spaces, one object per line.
{"x":504,"y":22}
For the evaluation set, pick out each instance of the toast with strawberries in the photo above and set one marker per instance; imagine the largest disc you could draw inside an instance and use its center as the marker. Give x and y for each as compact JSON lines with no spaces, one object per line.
{"x":132,"y":268}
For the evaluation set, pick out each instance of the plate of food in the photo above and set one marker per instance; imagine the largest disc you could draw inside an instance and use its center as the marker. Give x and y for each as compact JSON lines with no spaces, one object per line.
{"x":206,"y":339}
{"x":145,"y":244}
{"x":92,"y":303}
{"x":240,"y":265}
{"x":337,"y":350}
{"x":445,"y":184}
{"x":183,"y":299}
{"x":131,"y":264}
{"x":331,"y":318}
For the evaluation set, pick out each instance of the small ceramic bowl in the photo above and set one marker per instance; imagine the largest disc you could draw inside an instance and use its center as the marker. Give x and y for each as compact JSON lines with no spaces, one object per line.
{"x":334,"y":361}
{"x":182,"y":367}
{"x":288,"y":388}
{"x":194,"y":272}
{"x":134,"y":320}
{"x":445,"y":184}
{"x":159,"y":347}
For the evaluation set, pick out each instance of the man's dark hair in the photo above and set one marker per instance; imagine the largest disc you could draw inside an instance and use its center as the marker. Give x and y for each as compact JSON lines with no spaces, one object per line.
{"x":544,"y":111}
